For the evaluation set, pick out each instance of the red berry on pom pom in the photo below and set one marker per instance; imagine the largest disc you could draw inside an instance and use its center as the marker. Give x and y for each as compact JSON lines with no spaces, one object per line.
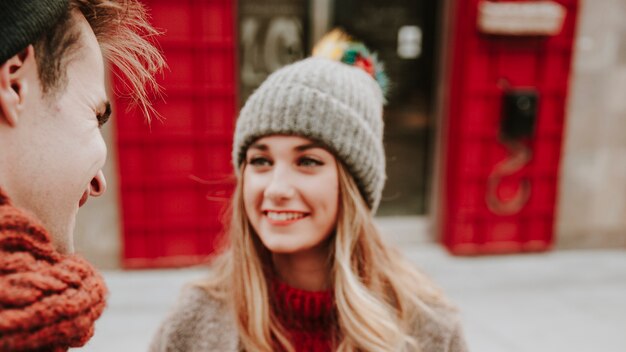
{"x":365,"y":64}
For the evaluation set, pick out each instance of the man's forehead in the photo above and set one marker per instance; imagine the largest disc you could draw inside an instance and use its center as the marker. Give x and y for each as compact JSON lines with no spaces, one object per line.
{"x":87,"y":62}
{"x":87,"y":38}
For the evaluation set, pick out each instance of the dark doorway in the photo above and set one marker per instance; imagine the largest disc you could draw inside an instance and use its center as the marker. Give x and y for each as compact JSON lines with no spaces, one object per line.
{"x":272,"y":34}
{"x":402,"y":32}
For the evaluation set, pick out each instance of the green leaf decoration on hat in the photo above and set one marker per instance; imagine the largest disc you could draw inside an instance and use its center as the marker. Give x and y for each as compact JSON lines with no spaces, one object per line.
{"x":339,"y":46}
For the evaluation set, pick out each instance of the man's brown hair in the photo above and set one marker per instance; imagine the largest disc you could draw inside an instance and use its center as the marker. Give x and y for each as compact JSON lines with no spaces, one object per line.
{"x":125,"y":38}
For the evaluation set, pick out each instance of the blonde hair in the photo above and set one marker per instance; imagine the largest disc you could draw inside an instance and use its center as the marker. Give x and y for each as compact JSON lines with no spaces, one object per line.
{"x":378,"y":294}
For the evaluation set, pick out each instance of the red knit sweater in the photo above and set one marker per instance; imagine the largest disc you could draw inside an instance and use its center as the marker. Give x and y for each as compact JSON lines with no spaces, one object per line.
{"x":309,"y":317}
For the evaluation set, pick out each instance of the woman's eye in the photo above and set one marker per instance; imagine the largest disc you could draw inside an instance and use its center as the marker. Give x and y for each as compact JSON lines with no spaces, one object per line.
{"x":309,"y":162}
{"x":259,"y":161}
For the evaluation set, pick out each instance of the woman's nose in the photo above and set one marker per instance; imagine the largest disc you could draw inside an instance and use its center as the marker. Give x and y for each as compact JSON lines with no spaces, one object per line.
{"x":98,"y":185}
{"x":280,"y":186}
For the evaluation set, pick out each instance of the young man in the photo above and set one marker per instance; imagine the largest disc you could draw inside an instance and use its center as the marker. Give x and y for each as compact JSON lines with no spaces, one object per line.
{"x":53,"y":102}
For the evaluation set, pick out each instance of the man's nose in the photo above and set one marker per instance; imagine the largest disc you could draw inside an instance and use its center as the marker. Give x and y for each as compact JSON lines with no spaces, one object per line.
{"x":98,"y":185}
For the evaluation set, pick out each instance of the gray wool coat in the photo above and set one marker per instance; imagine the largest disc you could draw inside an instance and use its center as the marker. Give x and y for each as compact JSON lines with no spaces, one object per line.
{"x":200,"y":323}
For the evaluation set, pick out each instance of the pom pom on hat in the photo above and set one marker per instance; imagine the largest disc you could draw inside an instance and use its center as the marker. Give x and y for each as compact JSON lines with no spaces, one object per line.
{"x":339,"y":46}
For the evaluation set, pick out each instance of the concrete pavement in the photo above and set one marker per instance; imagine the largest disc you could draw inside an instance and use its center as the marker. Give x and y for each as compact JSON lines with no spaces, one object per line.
{"x":562,"y":301}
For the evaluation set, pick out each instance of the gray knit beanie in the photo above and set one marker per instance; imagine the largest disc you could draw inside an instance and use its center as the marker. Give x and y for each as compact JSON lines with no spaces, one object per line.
{"x":22,"y":22}
{"x":327,"y":101}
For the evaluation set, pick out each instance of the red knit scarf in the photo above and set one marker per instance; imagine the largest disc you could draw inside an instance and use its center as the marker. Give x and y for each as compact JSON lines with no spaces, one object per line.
{"x":48,"y":301}
{"x":309,"y":317}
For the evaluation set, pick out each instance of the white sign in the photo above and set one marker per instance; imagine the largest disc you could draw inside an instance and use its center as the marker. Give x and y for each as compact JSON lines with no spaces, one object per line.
{"x":521,"y":18}
{"x":409,"y":42}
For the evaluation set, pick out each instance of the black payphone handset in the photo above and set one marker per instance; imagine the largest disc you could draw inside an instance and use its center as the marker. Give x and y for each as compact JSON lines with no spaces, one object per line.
{"x":517,"y":125}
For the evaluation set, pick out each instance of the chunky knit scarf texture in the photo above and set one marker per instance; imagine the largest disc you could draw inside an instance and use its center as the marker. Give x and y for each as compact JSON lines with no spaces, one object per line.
{"x":48,"y":301}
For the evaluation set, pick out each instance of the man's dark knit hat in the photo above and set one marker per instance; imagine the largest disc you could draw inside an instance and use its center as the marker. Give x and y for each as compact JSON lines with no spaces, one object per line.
{"x":22,"y":22}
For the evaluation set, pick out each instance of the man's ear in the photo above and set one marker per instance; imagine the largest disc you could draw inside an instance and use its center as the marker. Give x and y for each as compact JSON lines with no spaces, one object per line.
{"x":14,"y":84}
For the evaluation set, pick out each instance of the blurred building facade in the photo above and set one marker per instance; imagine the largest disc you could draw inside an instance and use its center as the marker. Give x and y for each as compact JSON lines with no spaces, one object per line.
{"x":409,"y":36}
{"x":592,"y":203}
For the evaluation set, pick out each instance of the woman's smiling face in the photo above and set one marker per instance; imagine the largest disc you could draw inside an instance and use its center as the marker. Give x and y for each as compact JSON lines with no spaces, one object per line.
{"x":291,"y":193}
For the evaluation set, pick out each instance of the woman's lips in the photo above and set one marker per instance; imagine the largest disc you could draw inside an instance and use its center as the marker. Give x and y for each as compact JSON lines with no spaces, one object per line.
{"x":283,"y":218}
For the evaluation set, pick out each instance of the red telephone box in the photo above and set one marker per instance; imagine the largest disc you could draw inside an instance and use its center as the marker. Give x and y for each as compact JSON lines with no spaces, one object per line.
{"x":503,"y":124}
{"x":174,"y":174}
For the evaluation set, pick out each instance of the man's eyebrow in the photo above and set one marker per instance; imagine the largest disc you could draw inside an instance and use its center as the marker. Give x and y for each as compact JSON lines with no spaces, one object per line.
{"x":103,"y":116}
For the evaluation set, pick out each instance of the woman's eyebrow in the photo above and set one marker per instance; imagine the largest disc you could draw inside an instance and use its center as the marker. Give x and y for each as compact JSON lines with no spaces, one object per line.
{"x":308,"y":146}
{"x":258,"y":146}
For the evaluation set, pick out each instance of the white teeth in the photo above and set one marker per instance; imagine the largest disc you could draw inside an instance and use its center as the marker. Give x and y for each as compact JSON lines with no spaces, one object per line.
{"x":284,"y":216}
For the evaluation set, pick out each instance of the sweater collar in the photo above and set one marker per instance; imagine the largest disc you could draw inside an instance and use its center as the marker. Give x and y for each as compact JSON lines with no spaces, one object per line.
{"x":300,"y":309}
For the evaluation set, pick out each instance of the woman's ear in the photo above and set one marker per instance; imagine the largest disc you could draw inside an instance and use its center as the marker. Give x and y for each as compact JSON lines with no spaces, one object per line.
{"x":14,"y":85}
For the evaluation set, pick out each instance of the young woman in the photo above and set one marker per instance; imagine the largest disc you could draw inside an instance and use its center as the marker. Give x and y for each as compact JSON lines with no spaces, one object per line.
{"x":306,"y":268}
